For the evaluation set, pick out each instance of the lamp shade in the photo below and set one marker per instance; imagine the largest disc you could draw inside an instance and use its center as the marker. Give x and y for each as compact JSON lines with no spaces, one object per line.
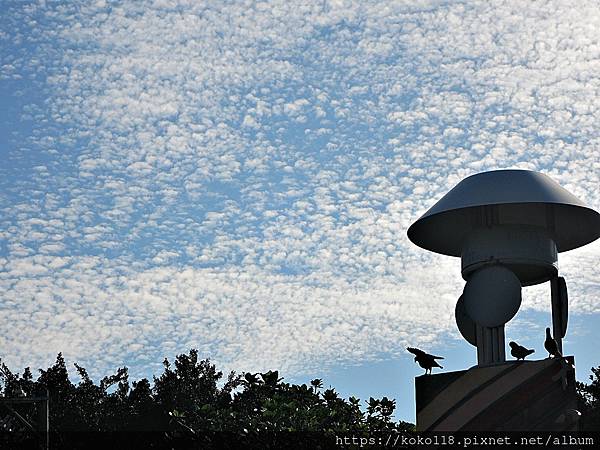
{"x":505,"y":197}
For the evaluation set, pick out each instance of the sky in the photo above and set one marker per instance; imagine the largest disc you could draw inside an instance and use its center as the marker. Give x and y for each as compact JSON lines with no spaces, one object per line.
{"x":239,"y":177}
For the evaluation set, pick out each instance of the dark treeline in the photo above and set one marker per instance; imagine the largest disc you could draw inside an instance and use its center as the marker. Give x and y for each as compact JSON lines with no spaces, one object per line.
{"x":589,"y":401}
{"x":192,"y":402}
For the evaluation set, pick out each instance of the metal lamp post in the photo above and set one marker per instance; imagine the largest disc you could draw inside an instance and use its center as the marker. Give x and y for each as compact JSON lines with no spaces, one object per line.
{"x":507,"y":226}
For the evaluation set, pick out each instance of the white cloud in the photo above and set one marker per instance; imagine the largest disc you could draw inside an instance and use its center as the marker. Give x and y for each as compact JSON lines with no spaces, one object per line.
{"x":240,"y":179}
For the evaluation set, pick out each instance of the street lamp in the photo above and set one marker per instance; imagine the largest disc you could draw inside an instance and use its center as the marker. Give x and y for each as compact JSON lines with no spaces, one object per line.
{"x":507,"y":226}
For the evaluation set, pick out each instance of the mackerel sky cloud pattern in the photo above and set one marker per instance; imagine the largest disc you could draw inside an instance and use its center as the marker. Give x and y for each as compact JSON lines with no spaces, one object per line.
{"x":239,"y":177}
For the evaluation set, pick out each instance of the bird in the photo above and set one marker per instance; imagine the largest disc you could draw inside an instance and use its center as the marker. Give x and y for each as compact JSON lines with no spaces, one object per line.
{"x":425,"y":360}
{"x":551,"y":346}
{"x":518,"y":351}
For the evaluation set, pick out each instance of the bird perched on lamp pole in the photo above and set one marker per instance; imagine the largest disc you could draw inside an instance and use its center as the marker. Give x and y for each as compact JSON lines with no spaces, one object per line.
{"x":551,"y":346}
{"x":425,"y":360}
{"x":518,"y":351}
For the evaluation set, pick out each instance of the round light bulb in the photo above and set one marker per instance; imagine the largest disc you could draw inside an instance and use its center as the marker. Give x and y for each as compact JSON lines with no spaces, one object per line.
{"x":492,"y":296}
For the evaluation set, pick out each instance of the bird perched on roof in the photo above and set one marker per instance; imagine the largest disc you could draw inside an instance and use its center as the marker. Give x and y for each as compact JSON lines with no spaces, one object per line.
{"x":551,"y":346}
{"x":518,"y":351}
{"x":425,"y":360}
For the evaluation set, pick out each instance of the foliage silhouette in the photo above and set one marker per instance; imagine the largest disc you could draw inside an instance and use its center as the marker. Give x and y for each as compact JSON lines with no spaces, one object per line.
{"x":191,"y":401}
{"x":589,"y":401}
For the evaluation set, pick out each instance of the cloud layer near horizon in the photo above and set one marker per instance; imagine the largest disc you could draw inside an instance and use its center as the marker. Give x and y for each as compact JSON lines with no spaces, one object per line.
{"x":239,"y":178}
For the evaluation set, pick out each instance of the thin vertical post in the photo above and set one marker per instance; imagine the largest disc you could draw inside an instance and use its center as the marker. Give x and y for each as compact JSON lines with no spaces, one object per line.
{"x":556,"y":313}
{"x":43,"y":409}
{"x":490,"y":345}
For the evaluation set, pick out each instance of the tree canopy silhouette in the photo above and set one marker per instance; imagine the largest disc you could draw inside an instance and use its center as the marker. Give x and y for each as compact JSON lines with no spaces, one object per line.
{"x":191,"y":400}
{"x":589,"y":401}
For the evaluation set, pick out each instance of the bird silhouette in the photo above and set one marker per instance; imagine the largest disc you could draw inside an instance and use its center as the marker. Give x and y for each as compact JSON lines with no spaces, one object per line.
{"x":518,"y":351}
{"x":425,"y":360}
{"x":551,"y":346}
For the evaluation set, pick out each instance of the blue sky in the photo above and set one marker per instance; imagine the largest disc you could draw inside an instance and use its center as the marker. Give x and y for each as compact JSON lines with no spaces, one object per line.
{"x":239,"y":178}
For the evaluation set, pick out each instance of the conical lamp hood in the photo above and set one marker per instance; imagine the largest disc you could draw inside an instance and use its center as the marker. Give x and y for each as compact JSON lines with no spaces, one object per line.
{"x":534,"y":199}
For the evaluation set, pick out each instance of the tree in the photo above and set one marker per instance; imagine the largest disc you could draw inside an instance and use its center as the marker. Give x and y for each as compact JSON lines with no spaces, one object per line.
{"x":191,"y":401}
{"x":589,"y":401}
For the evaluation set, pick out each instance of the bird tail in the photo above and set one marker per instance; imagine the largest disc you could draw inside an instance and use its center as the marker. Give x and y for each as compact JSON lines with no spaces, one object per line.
{"x":529,"y":352}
